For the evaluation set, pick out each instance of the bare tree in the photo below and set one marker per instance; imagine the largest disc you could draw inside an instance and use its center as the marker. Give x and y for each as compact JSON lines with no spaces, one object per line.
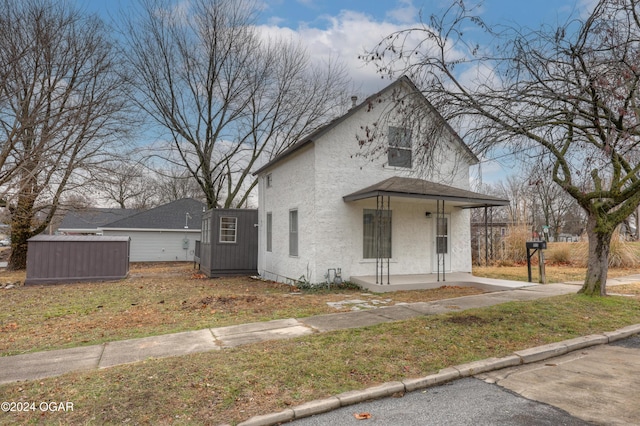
{"x":226,"y":98}
{"x":129,"y":184}
{"x":568,"y":94}
{"x":61,"y":108}
{"x":175,"y":183}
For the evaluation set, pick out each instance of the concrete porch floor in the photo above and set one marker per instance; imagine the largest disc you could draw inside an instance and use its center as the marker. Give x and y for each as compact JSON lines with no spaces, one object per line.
{"x":426,"y":281}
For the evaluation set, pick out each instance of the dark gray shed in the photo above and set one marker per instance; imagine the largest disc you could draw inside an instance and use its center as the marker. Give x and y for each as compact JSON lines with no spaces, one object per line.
{"x":71,"y":258}
{"x":229,"y":242}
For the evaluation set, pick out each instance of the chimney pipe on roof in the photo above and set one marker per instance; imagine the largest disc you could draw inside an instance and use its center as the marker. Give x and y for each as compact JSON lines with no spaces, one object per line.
{"x":354,"y":100}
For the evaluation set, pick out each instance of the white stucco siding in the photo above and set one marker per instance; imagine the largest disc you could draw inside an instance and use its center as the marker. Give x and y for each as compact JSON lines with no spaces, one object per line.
{"x":159,"y":246}
{"x":292,"y":188}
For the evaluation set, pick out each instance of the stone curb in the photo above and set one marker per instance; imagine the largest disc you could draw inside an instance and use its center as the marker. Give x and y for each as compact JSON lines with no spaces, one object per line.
{"x":623,"y":333}
{"x":381,"y":391}
{"x":489,"y":364}
{"x":269,"y":419}
{"x":526,"y":356}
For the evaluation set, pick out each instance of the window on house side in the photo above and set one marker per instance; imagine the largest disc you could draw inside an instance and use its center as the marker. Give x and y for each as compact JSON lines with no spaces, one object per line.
{"x":293,"y":232}
{"x":269,"y":180}
{"x":269,"y":232}
{"x":205,"y":231}
{"x":376,"y":234}
{"x":399,"y":153}
{"x":228,"y":229}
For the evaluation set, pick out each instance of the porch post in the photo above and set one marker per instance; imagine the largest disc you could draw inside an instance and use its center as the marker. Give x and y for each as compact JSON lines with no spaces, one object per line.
{"x":440,"y":253}
{"x":390,"y":235}
{"x":377,"y":225}
{"x":486,"y":238}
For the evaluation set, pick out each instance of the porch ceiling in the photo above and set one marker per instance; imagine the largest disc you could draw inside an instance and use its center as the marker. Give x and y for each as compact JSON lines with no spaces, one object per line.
{"x":422,"y":189}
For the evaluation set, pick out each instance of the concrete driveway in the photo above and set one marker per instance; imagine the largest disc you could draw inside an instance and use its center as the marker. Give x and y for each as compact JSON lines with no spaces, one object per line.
{"x":600,"y":384}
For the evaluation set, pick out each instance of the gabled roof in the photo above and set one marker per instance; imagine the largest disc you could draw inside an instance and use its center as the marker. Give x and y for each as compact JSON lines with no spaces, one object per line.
{"x":170,"y":216}
{"x":307,"y":140}
{"x":91,"y":219}
{"x":418,"y":188}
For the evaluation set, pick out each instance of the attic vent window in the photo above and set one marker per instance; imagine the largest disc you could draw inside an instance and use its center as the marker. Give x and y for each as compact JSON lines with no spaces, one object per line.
{"x":269,"y":180}
{"x":399,"y":154}
{"x":228,"y":229}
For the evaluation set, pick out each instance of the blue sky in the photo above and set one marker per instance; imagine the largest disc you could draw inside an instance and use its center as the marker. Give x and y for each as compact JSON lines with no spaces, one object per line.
{"x":344,"y":28}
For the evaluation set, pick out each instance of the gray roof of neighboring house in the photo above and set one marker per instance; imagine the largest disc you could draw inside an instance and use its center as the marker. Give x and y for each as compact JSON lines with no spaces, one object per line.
{"x":172,"y":215}
{"x":90,"y":219}
{"x":418,"y":188}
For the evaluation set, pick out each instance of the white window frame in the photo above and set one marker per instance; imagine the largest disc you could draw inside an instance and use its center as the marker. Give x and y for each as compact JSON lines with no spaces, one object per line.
{"x":228,"y":231}
{"x":399,"y":139}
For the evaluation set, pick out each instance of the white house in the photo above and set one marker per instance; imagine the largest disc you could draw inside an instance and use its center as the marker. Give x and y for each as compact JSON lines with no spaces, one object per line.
{"x":356,"y":197}
{"x":164,"y":233}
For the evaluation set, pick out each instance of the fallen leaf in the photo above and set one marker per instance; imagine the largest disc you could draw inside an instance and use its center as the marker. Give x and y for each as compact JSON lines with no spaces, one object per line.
{"x":362,"y":416}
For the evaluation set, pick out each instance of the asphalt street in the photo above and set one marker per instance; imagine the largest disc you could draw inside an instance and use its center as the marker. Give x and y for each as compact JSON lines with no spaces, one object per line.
{"x":462,"y":402}
{"x":477,"y":401}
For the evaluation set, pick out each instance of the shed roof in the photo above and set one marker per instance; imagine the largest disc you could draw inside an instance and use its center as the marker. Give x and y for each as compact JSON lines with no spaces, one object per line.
{"x":88,"y":238}
{"x":170,"y":216}
{"x":419,"y":188}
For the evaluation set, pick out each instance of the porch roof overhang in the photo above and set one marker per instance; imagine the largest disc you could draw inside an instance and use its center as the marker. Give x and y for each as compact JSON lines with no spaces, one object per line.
{"x":423,"y":189}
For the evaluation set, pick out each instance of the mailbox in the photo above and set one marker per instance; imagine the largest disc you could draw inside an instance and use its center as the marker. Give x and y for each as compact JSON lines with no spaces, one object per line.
{"x":537,"y":245}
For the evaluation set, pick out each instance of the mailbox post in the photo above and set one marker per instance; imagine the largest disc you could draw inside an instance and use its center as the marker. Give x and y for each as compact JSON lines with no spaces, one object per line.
{"x":532,"y":247}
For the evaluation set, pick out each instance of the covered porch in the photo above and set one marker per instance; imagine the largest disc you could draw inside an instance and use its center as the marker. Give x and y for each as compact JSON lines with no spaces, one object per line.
{"x":438,"y":200}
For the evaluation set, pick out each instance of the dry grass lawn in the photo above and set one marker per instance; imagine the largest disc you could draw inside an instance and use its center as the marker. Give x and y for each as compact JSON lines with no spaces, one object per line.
{"x":157,"y":299}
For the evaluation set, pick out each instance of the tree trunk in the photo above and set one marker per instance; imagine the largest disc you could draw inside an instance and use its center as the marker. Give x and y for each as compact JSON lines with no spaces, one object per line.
{"x":598,"y":260}
{"x":21,"y":231}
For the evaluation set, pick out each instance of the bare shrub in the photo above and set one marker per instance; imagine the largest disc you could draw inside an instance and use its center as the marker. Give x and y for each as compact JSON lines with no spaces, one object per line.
{"x":623,"y":254}
{"x":560,"y":253}
{"x":514,"y":247}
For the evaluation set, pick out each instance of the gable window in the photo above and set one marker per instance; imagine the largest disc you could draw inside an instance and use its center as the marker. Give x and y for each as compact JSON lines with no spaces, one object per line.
{"x":293,"y":232}
{"x":376,"y":234}
{"x":269,"y":231}
{"x":269,"y":180}
{"x":399,"y":153}
{"x":228,"y":229}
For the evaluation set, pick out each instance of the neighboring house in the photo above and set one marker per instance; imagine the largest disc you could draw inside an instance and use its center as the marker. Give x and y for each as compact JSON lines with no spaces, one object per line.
{"x":164,"y":233}
{"x":87,"y":221}
{"x":325,"y":209}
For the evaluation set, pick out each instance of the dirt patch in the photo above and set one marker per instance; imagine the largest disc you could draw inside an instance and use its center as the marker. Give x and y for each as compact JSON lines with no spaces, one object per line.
{"x":228,"y":303}
{"x":467,"y":320}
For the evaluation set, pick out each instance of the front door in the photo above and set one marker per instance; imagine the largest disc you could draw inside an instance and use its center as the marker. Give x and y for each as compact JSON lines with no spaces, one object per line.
{"x":442,"y":244}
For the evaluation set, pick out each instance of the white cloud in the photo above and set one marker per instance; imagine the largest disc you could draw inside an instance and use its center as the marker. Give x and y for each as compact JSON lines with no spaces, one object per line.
{"x":406,"y":14}
{"x":345,"y":37}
